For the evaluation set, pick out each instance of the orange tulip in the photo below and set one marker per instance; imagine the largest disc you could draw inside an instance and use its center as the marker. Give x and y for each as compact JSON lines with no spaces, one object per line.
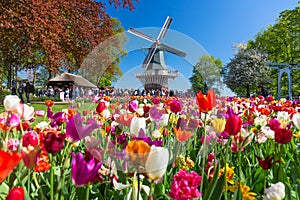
{"x":138,"y":151}
{"x":206,"y":102}
{"x":49,"y":103}
{"x":182,"y":136}
{"x":8,"y":161}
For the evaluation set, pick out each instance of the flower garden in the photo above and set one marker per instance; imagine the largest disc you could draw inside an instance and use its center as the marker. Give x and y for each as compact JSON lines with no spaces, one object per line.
{"x":204,"y":147}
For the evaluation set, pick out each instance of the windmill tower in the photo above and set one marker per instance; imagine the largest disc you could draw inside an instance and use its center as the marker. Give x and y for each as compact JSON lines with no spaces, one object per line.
{"x":156,"y":74}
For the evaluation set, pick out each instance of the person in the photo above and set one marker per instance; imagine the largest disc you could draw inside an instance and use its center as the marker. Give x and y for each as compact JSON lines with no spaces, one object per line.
{"x":21,"y":91}
{"x":28,"y":89}
{"x":13,"y":90}
{"x":263,"y":91}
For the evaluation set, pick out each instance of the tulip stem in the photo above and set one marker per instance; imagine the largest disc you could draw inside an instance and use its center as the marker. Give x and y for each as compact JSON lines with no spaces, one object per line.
{"x":203,"y":152}
{"x":87,"y":194}
{"x":51,"y":176}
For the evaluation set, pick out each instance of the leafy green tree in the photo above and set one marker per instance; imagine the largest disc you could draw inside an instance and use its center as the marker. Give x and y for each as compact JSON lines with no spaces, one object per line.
{"x":55,"y":33}
{"x":246,"y":70}
{"x":281,"y":42}
{"x":206,"y":74}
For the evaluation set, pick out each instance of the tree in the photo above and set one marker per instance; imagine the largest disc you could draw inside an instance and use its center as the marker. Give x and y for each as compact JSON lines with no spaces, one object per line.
{"x":206,"y":74}
{"x":281,"y":42}
{"x":246,"y":70}
{"x":54,"y":33}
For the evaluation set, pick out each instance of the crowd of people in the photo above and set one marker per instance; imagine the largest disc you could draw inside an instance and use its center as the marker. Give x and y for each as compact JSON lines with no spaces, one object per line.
{"x":23,"y":88}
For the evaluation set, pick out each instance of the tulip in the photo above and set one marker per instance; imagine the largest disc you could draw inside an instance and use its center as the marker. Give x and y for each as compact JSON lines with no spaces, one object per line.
{"x":138,"y":151}
{"x":13,"y":144}
{"x":16,"y":193}
{"x":30,"y":138}
{"x":13,"y":120}
{"x":53,"y":142}
{"x":182,"y":136}
{"x":233,"y":124}
{"x":11,"y":102}
{"x":75,"y":131}
{"x":185,"y":185}
{"x":266,"y":163}
{"x":157,"y":162}
{"x":101,"y":106}
{"x":133,"y":106}
{"x":49,"y":103}
{"x":31,"y":155}
{"x":83,"y":171}
{"x":24,"y":111}
{"x":283,"y":136}
{"x":175,"y":106}
{"x":206,"y":103}
{"x":136,"y":124}
{"x":134,"y":192}
{"x":276,"y":191}
{"x":40,"y":112}
{"x":296,"y":120}
{"x":218,"y":125}
{"x":8,"y":161}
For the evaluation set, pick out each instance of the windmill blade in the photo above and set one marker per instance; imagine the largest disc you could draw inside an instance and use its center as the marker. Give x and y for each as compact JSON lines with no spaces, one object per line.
{"x":141,"y":35}
{"x":173,"y":50}
{"x":149,"y":57}
{"x":164,"y":29}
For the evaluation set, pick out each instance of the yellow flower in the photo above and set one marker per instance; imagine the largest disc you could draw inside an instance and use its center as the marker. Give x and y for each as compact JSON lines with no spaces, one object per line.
{"x":297,"y":135}
{"x":247,"y":195}
{"x":229,"y":173}
{"x":218,"y":125}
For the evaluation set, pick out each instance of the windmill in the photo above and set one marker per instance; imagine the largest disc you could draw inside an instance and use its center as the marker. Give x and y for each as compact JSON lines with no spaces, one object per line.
{"x":156,"y":73}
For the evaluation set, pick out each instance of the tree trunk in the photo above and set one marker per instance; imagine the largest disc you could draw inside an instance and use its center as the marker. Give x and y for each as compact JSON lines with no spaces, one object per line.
{"x":248,"y":91}
{"x":34,"y":75}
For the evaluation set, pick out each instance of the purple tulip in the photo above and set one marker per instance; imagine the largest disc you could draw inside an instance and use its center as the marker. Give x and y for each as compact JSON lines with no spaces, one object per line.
{"x":75,"y":131}
{"x":83,"y":171}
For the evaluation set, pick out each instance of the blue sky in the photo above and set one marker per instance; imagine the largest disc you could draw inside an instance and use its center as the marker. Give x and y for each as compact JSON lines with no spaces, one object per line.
{"x":214,"y":25}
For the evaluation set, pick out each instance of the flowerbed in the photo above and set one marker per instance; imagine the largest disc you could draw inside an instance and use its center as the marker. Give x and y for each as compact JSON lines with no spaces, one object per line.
{"x":152,"y":148}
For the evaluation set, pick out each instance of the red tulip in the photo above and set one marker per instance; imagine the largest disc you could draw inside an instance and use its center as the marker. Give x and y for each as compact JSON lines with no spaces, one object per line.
{"x":266,"y":163}
{"x":233,"y":124}
{"x":175,"y":106}
{"x":283,"y":136}
{"x":101,"y":106}
{"x":16,"y":193}
{"x":206,"y":102}
{"x":8,"y":161}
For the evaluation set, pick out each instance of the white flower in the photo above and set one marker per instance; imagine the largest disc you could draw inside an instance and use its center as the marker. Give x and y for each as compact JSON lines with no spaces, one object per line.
{"x":261,"y":120}
{"x":164,"y":120}
{"x":133,"y":192}
{"x":275,"y":192}
{"x":136,"y":124}
{"x":140,"y":111}
{"x":157,"y":162}
{"x":106,"y":114}
{"x":283,"y":115}
{"x":269,"y":133}
{"x":11,"y":102}
{"x":156,"y":134}
{"x":42,"y":125}
{"x":296,"y":120}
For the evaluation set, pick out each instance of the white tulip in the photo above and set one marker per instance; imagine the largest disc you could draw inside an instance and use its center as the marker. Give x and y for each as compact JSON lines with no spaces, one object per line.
{"x":136,"y":124}
{"x":275,"y":192}
{"x":11,"y":102}
{"x":296,"y":120}
{"x":106,"y":114}
{"x":156,"y":134}
{"x":157,"y":162}
{"x":164,"y":120}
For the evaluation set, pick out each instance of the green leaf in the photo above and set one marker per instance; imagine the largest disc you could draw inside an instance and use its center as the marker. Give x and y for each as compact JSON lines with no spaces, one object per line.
{"x":4,"y":189}
{"x":218,"y":191}
{"x":212,"y":184}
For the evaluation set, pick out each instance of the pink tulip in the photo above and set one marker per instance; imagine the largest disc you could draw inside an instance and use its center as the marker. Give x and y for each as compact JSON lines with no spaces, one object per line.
{"x":40,"y":112}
